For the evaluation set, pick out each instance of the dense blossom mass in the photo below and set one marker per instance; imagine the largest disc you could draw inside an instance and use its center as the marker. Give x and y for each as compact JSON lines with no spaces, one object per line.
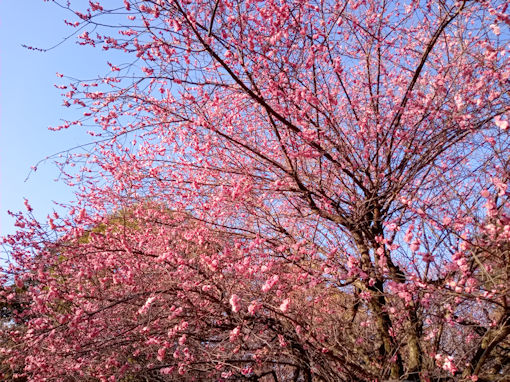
{"x":278,"y":190}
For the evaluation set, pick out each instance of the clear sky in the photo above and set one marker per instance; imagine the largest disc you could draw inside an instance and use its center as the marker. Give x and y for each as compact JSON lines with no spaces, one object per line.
{"x":29,"y":103}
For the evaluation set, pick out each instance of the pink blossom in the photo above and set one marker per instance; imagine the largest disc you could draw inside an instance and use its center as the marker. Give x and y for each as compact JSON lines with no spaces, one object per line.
{"x":502,"y":124}
{"x":147,"y":305}
{"x":284,"y":307}
{"x":235,"y":303}
{"x":281,"y":340}
{"x":161,"y":354}
{"x":449,"y":365}
{"x":415,"y":245}
{"x":166,"y":370}
{"x":234,"y":334}
{"x":254,"y":307}
{"x":270,"y":283}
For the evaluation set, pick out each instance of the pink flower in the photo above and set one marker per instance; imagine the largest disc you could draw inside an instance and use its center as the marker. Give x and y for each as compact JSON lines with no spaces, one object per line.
{"x":161,"y":354}
{"x":502,"y":124}
{"x":95,"y":6}
{"x":415,"y":245}
{"x":27,"y":205}
{"x":459,"y":102}
{"x":502,"y":187}
{"x":235,"y":303}
{"x":495,"y":29}
{"x":284,"y":307}
{"x":449,"y":365}
{"x":166,"y":370}
{"x":235,"y":333}
{"x":270,"y":283}
{"x":146,"y":306}
{"x":254,"y":307}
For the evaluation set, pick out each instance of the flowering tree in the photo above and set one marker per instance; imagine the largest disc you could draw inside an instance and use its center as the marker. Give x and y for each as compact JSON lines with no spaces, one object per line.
{"x":317,"y":191}
{"x":144,"y":292}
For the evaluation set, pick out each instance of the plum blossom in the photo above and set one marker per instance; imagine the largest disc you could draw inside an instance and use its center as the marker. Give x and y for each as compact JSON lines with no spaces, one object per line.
{"x":502,"y":124}
{"x":147,"y":305}
{"x":270,"y":283}
{"x":284,"y":307}
{"x":254,"y":307}
{"x":235,"y":302}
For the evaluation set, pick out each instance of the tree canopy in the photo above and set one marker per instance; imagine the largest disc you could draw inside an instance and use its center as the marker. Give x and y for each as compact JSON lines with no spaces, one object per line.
{"x":277,"y":191}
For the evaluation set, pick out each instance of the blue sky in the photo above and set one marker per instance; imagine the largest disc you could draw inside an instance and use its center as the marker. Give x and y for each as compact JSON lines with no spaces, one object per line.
{"x":29,"y":103}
